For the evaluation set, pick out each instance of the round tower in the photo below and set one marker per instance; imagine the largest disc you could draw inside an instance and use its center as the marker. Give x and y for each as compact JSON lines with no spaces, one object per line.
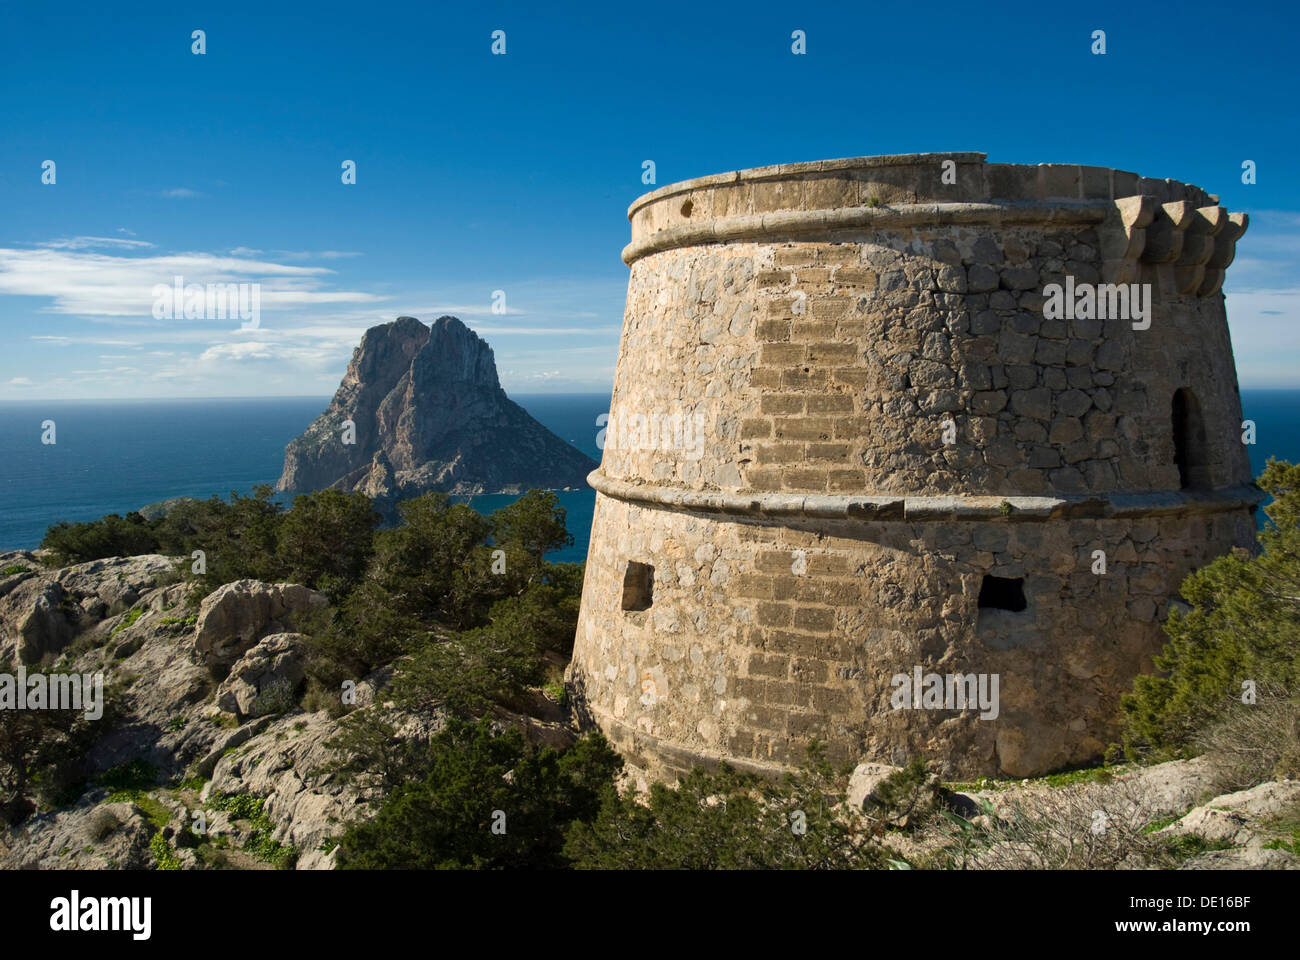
{"x":908,"y":454}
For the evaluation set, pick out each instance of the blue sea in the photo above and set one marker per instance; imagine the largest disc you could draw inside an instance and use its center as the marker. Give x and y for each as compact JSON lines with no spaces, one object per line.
{"x":118,"y":456}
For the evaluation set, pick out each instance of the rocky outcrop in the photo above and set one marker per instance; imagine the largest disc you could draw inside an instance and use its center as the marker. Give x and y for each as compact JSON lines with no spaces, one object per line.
{"x":265,"y":676}
{"x":93,"y":835}
{"x":1237,"y":818}
{"x":428,"y":414}
{"x":41,"y":610}
{"x":234,"y":617}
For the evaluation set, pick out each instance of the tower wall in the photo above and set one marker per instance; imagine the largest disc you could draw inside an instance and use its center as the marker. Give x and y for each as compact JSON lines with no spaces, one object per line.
{"x":842,"y":403}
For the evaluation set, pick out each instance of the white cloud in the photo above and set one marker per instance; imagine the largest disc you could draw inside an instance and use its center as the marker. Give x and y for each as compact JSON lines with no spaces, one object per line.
{"x":86,"y":243}
{"x":20,"y":382}
{"x":99,"y":284}
{"x":182,"y":193}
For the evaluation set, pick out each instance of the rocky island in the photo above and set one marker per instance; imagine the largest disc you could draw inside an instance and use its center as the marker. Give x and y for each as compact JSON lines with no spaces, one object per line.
{"x":421,"y":409}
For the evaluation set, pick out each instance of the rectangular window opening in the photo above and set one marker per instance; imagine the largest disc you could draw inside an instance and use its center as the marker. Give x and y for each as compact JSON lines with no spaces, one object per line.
{"x":1002,"y":593}
{"x":638,"y":586}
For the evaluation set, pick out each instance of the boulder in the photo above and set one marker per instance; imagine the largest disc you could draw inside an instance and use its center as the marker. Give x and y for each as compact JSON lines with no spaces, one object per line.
{"x":272,"y":668}
{"x":234,"y":617}
{"x":45,"y":624}
{"x":865,"y":780}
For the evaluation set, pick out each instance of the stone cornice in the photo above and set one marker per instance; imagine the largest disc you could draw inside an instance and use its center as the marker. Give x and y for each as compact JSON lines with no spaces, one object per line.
{"x":793,"y":224}
{"x":892,"y":507}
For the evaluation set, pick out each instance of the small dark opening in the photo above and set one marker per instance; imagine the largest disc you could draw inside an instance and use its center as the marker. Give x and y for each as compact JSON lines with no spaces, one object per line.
{"x":1002,"y":593}
{"x":638,"y":586}
{"x":1189,"y":441}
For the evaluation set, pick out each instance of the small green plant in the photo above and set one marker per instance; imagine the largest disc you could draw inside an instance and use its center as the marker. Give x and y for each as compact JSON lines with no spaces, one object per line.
{"x":557,"y":692}
{"x":243,"y":806}
{"x":1157,"y":825}
{"x":177,"y":723}
{"x":10,"y":571}
{"x":1290,"y":846}
{"x":163,"y":853}
{"x":135,"y":775}
{"x":1005,"y":508}
{"x":189,"y":621}
{"x":873,"y":201}
{"x":328,"y":845}
{"x":131,"y":617}
{"x":907,"y":797}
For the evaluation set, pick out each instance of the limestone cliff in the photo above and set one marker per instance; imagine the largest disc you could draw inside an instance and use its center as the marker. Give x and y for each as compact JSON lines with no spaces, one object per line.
{"x":429,"y":414}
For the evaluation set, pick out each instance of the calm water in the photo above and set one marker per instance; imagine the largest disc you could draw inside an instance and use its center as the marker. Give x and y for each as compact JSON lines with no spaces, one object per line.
{"x":113,"y":457}
{"x":117,"y":456}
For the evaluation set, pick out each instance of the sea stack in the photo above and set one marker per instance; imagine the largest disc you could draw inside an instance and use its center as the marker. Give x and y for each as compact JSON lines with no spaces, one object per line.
{"x":420,"y":409}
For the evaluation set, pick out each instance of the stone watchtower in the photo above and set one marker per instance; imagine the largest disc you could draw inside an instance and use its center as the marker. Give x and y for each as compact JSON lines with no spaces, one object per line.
{"x":888,"y":417}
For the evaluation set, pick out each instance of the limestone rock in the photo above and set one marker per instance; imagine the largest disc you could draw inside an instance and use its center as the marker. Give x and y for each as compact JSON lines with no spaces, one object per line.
{"x":89,"y":836}
{"x":42,"y":610}
{"x":429,"y":414}
{"x":273,"y":668}
{"x":1236,"y":818}
{"x":234,"y":617}
{"x":866,"y":778}
{"x":289,"y":764}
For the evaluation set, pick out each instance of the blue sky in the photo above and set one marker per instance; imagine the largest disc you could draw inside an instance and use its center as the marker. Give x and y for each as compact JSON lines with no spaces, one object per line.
{"x":478,"y":173}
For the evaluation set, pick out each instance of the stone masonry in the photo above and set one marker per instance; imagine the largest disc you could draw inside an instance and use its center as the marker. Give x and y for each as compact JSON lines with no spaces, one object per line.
{"x":903,"y":462}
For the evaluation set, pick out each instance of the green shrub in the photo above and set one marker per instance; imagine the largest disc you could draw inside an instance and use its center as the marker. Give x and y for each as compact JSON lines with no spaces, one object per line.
{"x":325,"y":540}
{"x":1242,"y":625}
{"x":445,"y":819}
{"x":730,"y":820}
{"x":137,"y":774}
{"x":163,"y":853}
{"x":131,"y":617}
{"x":908,"y":797}
{"x":242,"y":806}
{"x":110,"y":536}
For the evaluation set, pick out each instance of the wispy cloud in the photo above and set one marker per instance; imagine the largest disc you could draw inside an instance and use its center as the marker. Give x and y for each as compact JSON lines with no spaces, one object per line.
{"x":90,"y":284}
{"x":87,"y":243}
{"x":182,"y":193}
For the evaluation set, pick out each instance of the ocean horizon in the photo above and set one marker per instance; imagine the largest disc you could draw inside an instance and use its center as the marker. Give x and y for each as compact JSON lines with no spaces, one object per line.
{"x":115,"y":456}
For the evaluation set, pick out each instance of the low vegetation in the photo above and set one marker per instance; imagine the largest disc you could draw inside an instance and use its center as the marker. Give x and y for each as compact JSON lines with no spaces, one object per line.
{"x":477,"y":622}
{"x":1231,"y":667}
